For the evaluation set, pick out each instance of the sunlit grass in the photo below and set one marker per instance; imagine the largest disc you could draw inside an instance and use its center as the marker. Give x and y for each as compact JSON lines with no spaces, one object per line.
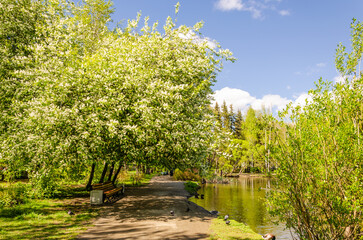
{"x":235,"y":230}
{"x":132,"y":178}
{"x":49,"y":219}
{"x":44,"y":219}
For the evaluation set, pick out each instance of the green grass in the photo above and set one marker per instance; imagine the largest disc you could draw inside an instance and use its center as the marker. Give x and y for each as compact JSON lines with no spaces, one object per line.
{"x":146,"y":178}
{"x":234,"y":231}
{"x":131,"y":178}
{"x":49,"y":219}
{"x":44,"y":219}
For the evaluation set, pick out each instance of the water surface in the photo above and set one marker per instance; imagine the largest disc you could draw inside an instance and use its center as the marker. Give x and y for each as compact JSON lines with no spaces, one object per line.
{"x":243,"y":200}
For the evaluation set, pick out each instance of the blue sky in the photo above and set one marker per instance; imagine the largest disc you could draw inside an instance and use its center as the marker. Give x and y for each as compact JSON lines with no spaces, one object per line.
{"x":282,"y":46}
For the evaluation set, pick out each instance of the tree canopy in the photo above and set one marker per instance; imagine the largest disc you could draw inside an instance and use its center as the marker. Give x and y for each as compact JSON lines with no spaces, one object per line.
{"x":86,"y":94}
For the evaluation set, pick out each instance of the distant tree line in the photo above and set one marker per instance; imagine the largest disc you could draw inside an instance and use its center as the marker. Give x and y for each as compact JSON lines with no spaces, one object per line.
{"x":242,"y":142}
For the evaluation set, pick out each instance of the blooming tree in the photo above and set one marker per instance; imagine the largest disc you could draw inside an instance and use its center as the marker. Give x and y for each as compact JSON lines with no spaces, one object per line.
{"x":131,"y":94}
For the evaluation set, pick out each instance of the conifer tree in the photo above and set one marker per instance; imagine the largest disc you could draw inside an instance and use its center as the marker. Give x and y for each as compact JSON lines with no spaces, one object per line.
{"x":238,"y":125}
{"x":225,"y":117}
{"x":217,"y":113}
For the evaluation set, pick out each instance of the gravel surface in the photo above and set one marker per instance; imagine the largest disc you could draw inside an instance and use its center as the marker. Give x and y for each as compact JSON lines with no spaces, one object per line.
{"x":144,"y":213}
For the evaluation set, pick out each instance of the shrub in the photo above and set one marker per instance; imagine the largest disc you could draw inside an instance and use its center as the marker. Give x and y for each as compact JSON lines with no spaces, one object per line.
{"x":218,"y":179}
{"x":45,"y":186}
{"x":136,"y":178}
{"x":191,"y":187}
{"x":320,"y":173}
{"x":186,"y":175}
{"x":123,"y":176}
{"x":13,"y":195}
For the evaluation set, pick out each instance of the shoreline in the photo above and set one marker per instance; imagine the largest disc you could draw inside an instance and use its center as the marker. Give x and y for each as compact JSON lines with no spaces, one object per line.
{"x":145,"y":213}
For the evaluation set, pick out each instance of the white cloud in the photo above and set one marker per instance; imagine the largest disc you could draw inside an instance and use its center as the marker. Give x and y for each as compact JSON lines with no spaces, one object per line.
{"x":252,"y":6}
{"x":311,"y":70}
{"x":256,"y":13}
{"x":242,"y":100}
{"x":320,"y":65}
{"x":301,"y":99}
{"x":339,"y":79}
{"x":197,"y":39}
{"x":211,"y":43}
{"x":284,"y":13}
{"x":275,"y":101}
{"x":255,"y":7}
{"x":238,"y":98}
{"x":228,"y":5}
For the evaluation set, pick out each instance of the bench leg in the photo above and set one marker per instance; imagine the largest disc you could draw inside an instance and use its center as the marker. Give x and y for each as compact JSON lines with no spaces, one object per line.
{"x":113,"y":198}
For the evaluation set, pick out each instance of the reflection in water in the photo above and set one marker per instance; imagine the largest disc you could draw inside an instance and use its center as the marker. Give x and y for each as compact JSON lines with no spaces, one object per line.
{"x":244,"y":201}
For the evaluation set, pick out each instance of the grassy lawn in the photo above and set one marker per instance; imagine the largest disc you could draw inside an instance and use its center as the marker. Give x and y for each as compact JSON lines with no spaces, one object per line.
{"x":45,"y":219}
{"x":234,"y":231}
{"x":49,"y":218}
{"x":132,"y":178}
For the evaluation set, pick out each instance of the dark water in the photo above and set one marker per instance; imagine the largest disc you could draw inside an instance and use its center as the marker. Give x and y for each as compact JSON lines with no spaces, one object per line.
{"x":243,"y":200}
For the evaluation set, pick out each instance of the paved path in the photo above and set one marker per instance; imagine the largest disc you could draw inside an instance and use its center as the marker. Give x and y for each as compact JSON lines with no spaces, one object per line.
{"x":144,"y":213}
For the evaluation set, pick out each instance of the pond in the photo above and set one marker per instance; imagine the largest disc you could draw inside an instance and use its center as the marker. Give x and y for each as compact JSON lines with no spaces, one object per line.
{"x":243,"y":200}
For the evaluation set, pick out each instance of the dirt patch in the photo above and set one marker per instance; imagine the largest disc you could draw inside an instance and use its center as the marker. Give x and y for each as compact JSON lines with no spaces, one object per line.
{"x":144,"y":213}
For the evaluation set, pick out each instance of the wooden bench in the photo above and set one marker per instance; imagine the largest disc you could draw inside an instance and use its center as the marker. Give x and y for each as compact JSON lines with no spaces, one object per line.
{"x":110,"y":192}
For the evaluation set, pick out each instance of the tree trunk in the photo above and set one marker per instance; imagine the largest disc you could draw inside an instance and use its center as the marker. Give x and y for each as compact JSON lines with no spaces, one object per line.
{"x":116,"y":173}
{"x":111,"y":171}
{"x":88,"y":186}
{"x":103,"y":172}
{"x":138,"y":169}
{"x":216,"y":158}
{"x":125,"y":166}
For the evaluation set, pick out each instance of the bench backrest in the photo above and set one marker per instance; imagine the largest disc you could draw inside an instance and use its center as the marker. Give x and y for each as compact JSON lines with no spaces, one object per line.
{"x":103,"y":186}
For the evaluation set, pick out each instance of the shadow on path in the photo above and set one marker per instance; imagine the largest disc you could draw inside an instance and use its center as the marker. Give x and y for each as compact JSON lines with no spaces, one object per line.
{"x":144,"y":213}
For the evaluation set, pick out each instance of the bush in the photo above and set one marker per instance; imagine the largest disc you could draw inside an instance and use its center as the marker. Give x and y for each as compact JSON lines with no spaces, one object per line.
{"x":14,"y":194}
{"x":191,"y":187}
{"x":217,"y":179}
{"x":320,"y":173}
{"x":186,"y":175}
{"x":45,"y":186}
{"x":123,"y":176}
{"x":136,"y":178}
